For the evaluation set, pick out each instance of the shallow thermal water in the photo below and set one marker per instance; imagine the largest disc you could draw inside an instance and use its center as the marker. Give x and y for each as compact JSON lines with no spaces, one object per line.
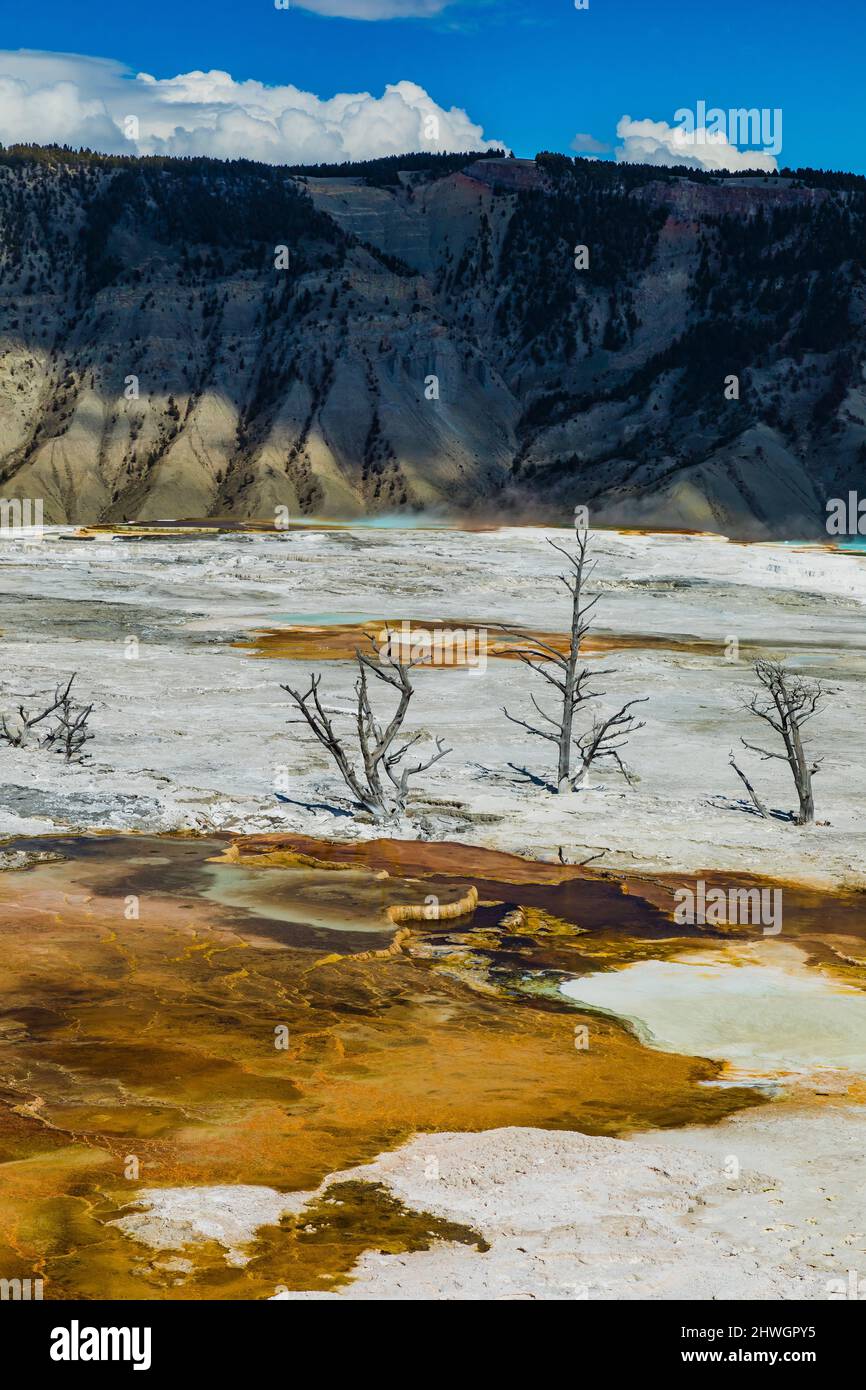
{"x":352,"y":900}
{"x":195,"y":1031}
{"x":189,"y":1041}
{"x":757,"y":1007}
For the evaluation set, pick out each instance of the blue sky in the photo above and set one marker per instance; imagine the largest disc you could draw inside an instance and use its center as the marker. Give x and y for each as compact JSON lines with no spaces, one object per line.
{"x":530,"y":72}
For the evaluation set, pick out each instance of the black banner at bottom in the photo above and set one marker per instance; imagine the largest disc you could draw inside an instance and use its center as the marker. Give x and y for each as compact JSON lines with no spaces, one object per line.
{"x":60,"y":1339}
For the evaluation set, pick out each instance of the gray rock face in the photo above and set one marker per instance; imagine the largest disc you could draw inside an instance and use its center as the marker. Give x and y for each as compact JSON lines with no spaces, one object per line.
{"x":425,"y":341}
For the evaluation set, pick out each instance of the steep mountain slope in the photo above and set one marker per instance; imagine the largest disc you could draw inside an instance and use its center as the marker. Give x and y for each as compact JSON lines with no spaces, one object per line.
{"x":424,"y":340}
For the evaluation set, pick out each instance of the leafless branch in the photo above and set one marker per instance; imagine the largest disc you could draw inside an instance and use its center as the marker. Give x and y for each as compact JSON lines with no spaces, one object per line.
{"x":67,"y":735}
{"x":755,"y":799}
{"x":786,"y":702}
{"x":607,"y":738}
{"x":376,"y":742}
{"x":573,"y":681}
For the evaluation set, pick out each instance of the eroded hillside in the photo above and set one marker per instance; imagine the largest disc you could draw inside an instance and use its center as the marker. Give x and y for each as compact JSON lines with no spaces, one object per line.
{"x":425,"y":340}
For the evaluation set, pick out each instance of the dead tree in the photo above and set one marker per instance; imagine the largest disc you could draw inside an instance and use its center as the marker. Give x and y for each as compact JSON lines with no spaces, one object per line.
{"x":381,"y":783}
{"x":16,"y":730}
{"x":786,"y":702}
{"x":573,"y":683}
{"x":69,"y":735}
{"x":606,"y":739}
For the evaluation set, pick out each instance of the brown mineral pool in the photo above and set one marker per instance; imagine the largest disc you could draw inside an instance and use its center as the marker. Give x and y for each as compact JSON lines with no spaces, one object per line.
{"x":196,"y":1031}
{"x":438,"y":642}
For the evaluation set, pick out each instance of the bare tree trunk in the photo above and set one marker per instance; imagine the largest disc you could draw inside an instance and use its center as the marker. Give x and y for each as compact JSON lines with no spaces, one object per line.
{"x":753,"y":795}
{"x":788,"y":703}
{"x":563,"y":771}
{"x":802,"y":778}
{"x":573,"y":683}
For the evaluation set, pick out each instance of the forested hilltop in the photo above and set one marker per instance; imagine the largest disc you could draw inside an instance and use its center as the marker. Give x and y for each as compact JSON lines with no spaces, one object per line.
{"x":196,"y":337}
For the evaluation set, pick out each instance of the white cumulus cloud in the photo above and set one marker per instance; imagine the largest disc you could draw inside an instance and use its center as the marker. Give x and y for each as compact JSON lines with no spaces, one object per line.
{"x":70,"y":99}
{"x":656,"y":142}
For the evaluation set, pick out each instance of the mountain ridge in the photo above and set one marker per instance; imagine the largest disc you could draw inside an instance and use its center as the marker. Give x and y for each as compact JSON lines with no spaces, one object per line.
{"x":428,"y":343}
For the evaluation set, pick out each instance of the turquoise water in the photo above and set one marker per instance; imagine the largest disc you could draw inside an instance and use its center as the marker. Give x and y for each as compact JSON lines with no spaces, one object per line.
{"x":854,"y":543}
